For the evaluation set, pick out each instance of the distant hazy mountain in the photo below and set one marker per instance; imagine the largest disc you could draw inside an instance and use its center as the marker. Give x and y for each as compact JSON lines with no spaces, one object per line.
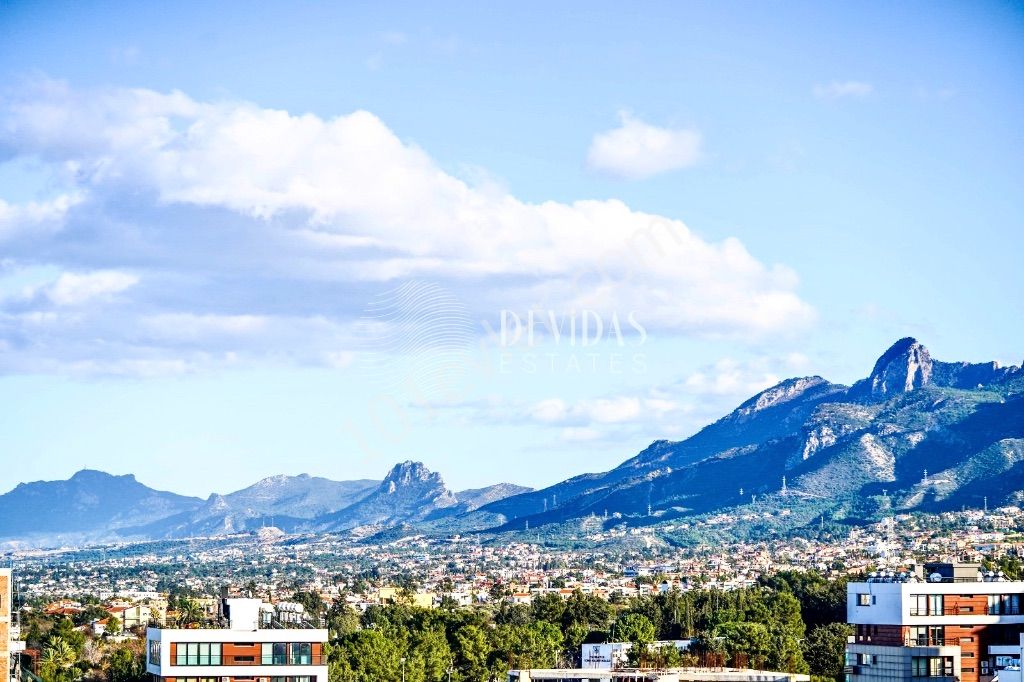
{"x":475,"y":498}
{"x":410,"y":492}
{"x":849,"y":449}
{"x":93,"y":506}
{"x":89,"y":506}
{"x":287,"y":502}
{"x":916,"y":433}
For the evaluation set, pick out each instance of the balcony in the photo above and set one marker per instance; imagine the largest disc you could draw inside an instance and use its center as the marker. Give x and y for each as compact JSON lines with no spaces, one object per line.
{"x":312,"y":659}
{"x":960,"y":611}
{"x":932,"y":641}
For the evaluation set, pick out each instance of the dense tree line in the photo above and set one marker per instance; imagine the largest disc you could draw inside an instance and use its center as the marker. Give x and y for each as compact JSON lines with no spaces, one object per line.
{"x":790,"y":622}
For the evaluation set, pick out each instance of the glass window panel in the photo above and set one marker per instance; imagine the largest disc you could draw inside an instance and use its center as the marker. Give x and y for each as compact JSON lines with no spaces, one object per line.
{"x":302,"y":653}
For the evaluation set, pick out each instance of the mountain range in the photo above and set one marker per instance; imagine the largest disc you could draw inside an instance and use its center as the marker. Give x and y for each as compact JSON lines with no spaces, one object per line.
{"x":915,"y":434}
{"x":93,"y":506}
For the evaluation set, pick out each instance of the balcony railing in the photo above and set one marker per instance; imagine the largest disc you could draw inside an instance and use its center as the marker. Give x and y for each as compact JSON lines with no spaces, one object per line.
{"x":932,"y":641}
{"x":962,"y":611}
{"x":313,"y":659}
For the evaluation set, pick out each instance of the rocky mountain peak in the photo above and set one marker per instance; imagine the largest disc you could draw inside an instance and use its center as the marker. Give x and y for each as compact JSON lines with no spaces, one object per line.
{"x":408,"y":473}
{"x":95,"y":476}
{"x":780,"y":393}
{"x":906,"y":365}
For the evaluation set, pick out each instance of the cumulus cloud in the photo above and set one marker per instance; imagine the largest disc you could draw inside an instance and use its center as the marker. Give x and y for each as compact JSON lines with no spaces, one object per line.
{"x":75,"y":289}
{"x":236,"y":214}
{"x":34,"y":216}
{"x":673,"y":409}
{"x":608,"y":410}
{"x":730,"y":377}
{"x":841,"y":89}
{"x":637,"y":150}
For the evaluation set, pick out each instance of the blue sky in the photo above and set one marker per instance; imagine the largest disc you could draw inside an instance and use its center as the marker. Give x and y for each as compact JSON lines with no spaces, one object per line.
{"x":203,"y":206}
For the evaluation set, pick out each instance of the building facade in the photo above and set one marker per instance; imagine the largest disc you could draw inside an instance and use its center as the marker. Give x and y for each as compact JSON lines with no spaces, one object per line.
{"x":6,"y":611}
{"x":11,"y":645}
{"x":954,"y":624}
{"x":242,"y":652}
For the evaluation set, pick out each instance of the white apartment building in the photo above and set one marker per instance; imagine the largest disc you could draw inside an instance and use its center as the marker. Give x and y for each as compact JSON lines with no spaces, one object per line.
{"x":11,"y":645}
{"x":954,"y":625}
{"x":242,"y":652}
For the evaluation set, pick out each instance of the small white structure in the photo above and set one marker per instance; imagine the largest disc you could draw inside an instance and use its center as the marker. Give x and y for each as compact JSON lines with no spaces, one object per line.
{"x":604,"y":656}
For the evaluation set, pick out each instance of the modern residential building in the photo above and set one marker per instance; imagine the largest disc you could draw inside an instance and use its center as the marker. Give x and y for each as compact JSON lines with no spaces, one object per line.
{"x":666,"y":675}
{"x":949,"y":621}
{"x":11,"y":645}
{"x":5,"y":621}
{"x":241,"y":652}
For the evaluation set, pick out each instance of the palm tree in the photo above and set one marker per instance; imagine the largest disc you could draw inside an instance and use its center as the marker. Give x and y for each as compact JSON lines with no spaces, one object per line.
{"x":59,"y":656}
{"x":189,"y":611}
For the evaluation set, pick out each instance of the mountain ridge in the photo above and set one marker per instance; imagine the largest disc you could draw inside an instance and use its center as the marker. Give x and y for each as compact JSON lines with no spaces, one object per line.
{"x":850,"y":451}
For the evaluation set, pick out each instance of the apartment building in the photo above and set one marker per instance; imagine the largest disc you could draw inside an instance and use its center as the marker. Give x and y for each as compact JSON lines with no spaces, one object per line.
{"x":241,"y":652}
{"x":948,"y":623}
{"x":11,"y":645}
{"x":5,"y":621}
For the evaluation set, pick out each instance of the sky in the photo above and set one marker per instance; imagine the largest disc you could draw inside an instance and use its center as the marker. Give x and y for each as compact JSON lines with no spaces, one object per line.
{"x":517,"y":243}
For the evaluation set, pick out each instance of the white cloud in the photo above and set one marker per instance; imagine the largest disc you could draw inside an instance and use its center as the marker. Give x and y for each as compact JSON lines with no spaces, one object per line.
{"x":550,"y":410}
{"x":577,"y":434}
{"x":75,"y":289}
{"x":19,"y":219}
{"x":185,"y":326}
{"x":729,"y":377}
{"x":840,"y":89}
{"x":301,"y":208}
{"x":608,"y":410}
{"x":637,"y":150}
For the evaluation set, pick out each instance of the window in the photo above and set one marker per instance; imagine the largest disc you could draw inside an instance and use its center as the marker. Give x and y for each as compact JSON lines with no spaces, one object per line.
{"x":926,"y":604}
{"x":275,"y":653}
{"x":302,"y":653}
{"x":154,"y":652}
{"x":924,"y":635}
{"x":1004,"y":604}
{"x":197,"y":653}
{"x":865,"y":659}
{"x":863,"y":599}
{"x":932,"y":666}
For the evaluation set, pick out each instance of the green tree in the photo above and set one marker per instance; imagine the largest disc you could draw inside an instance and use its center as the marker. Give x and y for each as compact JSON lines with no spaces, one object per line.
{"x":365,"y":656}
{"x":825,"y":649}
{"x":472,"y":649}
{"x":127,"y":664}
{"x":588,"y":609}
{"x":342,"y":619}
{"x":638,"y":630}
{"x":429,"y":656}
{"x":548,"y":607}
{"x":57,"y":661}
{"x":190,"y":611}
